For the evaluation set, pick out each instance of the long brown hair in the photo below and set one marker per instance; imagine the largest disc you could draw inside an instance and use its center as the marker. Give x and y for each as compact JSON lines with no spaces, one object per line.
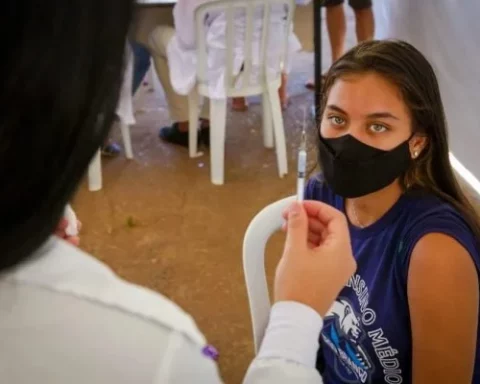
{"x":409,"y":70}
{"x":53,"y":118}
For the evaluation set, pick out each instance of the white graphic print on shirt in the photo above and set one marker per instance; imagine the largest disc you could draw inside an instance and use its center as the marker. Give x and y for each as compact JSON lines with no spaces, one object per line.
{"x":345,"y":335}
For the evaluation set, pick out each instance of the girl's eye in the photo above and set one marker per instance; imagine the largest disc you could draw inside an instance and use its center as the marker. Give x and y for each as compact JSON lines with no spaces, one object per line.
{"x":378,"y":128}
{"x":337,"y":120}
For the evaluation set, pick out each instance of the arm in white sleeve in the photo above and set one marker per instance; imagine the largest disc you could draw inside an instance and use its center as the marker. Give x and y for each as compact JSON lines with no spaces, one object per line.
{"x":184,"y":362}
{"x":288,"y":353}
{"x":184,"y":21}
{"x":289,"y":350}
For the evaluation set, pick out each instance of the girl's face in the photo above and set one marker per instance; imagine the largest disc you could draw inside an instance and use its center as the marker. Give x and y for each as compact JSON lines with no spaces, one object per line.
{"x":370,"y":108}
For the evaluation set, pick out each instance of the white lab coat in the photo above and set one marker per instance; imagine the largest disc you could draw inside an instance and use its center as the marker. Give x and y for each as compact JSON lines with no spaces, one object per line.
{"x":67,"y":318}
{"x":182,"y":56}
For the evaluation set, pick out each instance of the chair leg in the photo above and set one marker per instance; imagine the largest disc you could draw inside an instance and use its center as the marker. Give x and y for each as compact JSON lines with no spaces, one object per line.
{"x":154,"y":83}
{"x":95,"y":173}
{"x":151,"y":74}
{"x":218,"y":117}
{"x":279,"y":132}
{"x":127,"y":141}
{"x":193,"y":126}
{"x":267,"y":121}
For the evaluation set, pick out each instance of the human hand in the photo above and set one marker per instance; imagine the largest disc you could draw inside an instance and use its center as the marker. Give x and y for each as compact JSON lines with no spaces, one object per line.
{"x":317,"y":260}
{"x":61,"y":232}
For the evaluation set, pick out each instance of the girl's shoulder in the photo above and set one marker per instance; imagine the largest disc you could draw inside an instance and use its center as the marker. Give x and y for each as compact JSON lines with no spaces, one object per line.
{"x":425,"y":214}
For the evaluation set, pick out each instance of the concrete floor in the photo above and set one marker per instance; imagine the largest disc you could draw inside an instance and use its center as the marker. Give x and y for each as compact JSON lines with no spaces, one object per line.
{"x":159,"y":222}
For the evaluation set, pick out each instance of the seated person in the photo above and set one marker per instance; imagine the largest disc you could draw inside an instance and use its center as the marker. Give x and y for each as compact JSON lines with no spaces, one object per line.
{"x":240,"y":103}
{"x":410,"y":313}
{"x":141,"y":65}
{"x":174,"y":54}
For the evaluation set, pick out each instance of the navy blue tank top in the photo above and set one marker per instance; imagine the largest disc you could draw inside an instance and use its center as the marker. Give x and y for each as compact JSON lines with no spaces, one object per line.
{"x":366,"y":336}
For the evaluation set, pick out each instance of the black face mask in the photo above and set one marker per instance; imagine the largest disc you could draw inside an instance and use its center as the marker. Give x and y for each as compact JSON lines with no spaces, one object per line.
{"x":353,"y":169}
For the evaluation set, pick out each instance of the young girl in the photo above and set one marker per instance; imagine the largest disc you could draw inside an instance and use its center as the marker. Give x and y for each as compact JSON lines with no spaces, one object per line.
{"x":410,"y":312}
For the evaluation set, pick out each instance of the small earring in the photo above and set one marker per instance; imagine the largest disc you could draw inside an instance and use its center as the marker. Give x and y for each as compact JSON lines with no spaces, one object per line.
{"x":415,"y":154}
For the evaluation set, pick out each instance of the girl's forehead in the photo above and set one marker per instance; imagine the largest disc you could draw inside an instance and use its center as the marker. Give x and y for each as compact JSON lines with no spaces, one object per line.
{"x":366,"y":94}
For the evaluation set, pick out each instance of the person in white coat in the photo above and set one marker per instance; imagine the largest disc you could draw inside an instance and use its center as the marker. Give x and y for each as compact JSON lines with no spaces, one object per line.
{"x":65,"y":317}
{"x":174,"y":52}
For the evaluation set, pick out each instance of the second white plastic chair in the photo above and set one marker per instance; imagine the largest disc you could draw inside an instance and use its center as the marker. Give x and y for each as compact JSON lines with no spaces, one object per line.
{"x":261,"y":228}
{"x":126,"y":118}
{"x":273,"y":129}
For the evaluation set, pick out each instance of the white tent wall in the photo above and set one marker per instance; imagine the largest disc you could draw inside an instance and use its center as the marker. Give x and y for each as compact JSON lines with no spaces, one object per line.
{"x":448,"y":33}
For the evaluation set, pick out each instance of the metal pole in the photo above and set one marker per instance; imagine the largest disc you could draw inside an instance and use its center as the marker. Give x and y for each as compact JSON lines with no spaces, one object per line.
{"x":317,"y":43}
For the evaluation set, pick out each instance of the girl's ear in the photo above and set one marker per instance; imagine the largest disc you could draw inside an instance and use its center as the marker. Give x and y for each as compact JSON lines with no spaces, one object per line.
{"x":417,"y":144}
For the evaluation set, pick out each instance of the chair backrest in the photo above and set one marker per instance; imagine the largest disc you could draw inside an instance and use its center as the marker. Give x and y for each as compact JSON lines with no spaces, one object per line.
{"x":256,"y":17}
{"x":264,"y":224}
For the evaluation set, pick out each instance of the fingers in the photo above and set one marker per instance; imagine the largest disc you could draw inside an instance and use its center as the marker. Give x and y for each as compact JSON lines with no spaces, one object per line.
{"x":297,"y":226}
{"x":313,"y":239}
{"x":329,"y":216}
{"x":60,"y":232}
{"x":62,"y":225}
{"x":323,"y":219}
{"x":75,"y":240}
{"x":324,"y":212}
{"x":324,"y":222}
{"x":314,"y":225}
{"x":321,"y":213}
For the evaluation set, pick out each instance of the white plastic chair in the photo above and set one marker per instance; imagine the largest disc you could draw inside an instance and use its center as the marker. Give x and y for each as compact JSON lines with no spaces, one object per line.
{"x":126,"y":118}
{"x":237,"y":85}
{"x":264,"y":224}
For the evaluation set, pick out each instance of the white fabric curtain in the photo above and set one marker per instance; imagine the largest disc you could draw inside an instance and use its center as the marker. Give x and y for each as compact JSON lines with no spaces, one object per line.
{"x":448,"y":33}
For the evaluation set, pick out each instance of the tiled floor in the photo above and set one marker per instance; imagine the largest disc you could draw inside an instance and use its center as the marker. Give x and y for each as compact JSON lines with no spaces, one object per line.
{"x":159,"y":221}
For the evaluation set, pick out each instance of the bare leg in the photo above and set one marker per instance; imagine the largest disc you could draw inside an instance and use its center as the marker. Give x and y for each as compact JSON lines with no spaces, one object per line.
{"x":239,"y":104}
{"x":337,"y":29}
{"x":365,"y":24}
{"x":282,"y":91}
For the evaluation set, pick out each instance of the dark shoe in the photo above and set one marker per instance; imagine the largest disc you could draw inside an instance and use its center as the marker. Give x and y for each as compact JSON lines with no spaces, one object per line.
{"x":174,"y":136}
{"x":204,"y":137}
{"x":111,"y":150}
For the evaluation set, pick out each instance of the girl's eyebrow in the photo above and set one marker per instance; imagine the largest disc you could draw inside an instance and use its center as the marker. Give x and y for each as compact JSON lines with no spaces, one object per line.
{"x":336,"y":108}
{"x":376,"y":115}
{"x":382,"y":115}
